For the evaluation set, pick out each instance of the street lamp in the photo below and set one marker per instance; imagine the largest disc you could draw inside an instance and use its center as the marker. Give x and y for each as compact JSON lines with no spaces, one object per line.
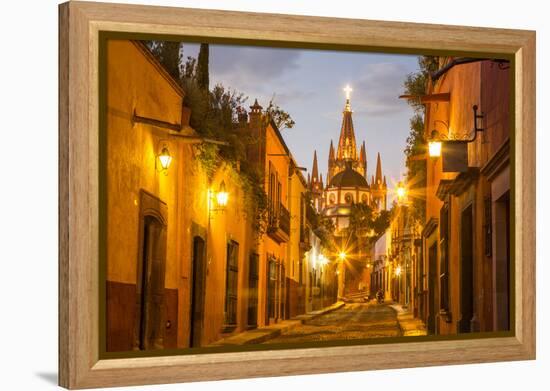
{"x":342,"y":256}
{"x":398,"y":270}
{"x":435,"y":141}
{"x":434,"y":148}
{"x":401,"y":191}
{"x":219,"y":198}
{"x":164,"y":159}
{"x":223,"y":196}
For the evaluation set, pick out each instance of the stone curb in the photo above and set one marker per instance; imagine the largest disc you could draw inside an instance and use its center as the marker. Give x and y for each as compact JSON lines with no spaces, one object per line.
{"x":406,"y":319}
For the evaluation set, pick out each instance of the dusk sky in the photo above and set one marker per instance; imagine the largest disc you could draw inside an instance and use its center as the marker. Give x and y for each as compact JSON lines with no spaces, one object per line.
{"x":309,"y":84}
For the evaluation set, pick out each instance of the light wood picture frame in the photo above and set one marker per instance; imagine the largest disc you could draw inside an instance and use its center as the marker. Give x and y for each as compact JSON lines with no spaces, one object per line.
{"x":80,"y":26}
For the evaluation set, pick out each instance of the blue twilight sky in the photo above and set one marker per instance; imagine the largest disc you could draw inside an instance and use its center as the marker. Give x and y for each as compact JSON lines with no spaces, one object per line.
{"x":309,"y":85}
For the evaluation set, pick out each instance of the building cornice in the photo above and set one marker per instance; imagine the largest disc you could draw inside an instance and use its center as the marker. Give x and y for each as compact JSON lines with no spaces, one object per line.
{"x":430,"y":227}
{"x":498,"y":161}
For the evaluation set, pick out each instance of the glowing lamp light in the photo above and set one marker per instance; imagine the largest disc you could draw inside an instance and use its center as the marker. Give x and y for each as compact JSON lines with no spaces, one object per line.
{"x":342,"y":255}
{"x":323,"y":260}
{"x":401,"y":191}
{"x":223,"y":196}
{"x":398,"y":271}
{"x":434,"y":148}
{"x":164,"y":158}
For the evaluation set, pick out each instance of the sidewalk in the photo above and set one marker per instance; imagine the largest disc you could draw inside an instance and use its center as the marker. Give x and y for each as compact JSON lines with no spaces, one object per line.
{"x":409,"y":325}
{"x":262,"y":334}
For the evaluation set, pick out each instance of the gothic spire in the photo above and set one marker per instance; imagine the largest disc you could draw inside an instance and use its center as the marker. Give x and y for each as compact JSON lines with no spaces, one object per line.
{"x":315,"y":169}
{"x":321,"y":185}
{"x":363,"y":154}
{"x":347,"y":148}
{"x":331,"y":152}
{"x":378,"y":178}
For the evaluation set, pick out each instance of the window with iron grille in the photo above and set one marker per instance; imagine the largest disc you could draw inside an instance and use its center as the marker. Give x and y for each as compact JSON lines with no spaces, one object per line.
{"x":271,"y":288}
{"x":487,"y":224}
{"x":253,"y":290}
{"x":231,"y":279}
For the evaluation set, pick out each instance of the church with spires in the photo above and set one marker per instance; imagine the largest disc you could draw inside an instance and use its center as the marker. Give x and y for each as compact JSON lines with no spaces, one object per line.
{"x":347,"y":177}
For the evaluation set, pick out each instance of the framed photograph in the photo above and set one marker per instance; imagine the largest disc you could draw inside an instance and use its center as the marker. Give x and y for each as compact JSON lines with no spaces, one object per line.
{"x":247,"y":195}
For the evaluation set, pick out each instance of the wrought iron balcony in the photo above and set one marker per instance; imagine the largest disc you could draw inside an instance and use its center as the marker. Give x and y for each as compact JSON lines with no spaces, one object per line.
{"x":305,"y":243}
{"x":279,"y":223}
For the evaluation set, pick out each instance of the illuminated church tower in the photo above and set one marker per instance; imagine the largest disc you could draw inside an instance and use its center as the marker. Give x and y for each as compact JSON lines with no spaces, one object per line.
{"x":346,"y":180}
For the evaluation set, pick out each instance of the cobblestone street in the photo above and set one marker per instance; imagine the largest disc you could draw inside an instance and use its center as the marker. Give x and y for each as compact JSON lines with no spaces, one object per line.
{"x":354,"y":321}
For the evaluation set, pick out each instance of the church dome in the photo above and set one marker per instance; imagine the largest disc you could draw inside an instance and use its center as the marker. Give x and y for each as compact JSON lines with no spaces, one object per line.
{"x":348,"y":178}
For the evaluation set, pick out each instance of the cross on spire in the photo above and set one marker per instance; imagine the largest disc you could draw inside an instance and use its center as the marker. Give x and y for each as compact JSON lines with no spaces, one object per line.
{"x":348,"y":91}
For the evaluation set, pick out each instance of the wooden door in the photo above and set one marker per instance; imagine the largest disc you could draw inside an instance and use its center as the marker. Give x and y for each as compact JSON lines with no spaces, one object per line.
{"x":502,"y":262}
{"x":467,"y":271}
{"x":197,"y":291}
{"x":253,"y":276}
{"x":150,"y":326}
{"x":432,"y":287}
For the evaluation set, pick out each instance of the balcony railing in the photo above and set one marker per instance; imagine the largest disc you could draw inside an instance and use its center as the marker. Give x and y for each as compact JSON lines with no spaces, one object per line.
{"x":304,"y":238}
{"x":279,"y":223}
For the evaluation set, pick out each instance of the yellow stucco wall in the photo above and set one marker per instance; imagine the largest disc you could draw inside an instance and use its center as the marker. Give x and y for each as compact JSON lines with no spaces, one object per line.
{"x":135,"y":84}
{"x":485,"y":85}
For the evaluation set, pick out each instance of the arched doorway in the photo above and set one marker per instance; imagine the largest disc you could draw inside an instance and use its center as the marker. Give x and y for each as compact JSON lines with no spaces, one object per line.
{"x":149,"y":332}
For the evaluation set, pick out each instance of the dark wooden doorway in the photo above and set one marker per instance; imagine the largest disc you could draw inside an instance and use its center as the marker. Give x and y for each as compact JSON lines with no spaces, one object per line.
{"x":197,"y":291}
{"x":271,"y":290}
{"x":253,"y":277}
{"x":150,"y":284}
{"x":467,"y":271}
{"x":432,"y":287}
{"x":502,"y":262}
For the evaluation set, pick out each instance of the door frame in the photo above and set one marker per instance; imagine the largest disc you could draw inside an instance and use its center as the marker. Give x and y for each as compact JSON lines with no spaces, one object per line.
{"x":150,"y":206}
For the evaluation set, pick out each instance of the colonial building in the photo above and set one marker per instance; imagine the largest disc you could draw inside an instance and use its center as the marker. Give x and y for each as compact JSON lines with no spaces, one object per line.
{"x":285,"y":252}
{"x":382,"y":267}
{"x":464,"y":279}
{"x":405,"y":254}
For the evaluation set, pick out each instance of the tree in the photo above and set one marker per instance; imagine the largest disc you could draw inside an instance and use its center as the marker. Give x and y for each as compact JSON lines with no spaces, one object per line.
{"x":169,"y":55}
{"x":202,"y":73}
{"x":415,"y":146}
{"x":416,"y":85}
{"x":381,"y":222}
{"x":361,"y":218}
{"x":282,"y":119}
{"x":214,"y":114}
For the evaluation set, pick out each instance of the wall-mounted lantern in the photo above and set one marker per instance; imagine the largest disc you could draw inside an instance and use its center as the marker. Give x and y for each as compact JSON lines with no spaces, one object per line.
{"x":434,"y":147}
{"x":218,"y":199}
{"x":222,"y":196}
{"x":163,"y":160}
{"x":454,"y":150}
